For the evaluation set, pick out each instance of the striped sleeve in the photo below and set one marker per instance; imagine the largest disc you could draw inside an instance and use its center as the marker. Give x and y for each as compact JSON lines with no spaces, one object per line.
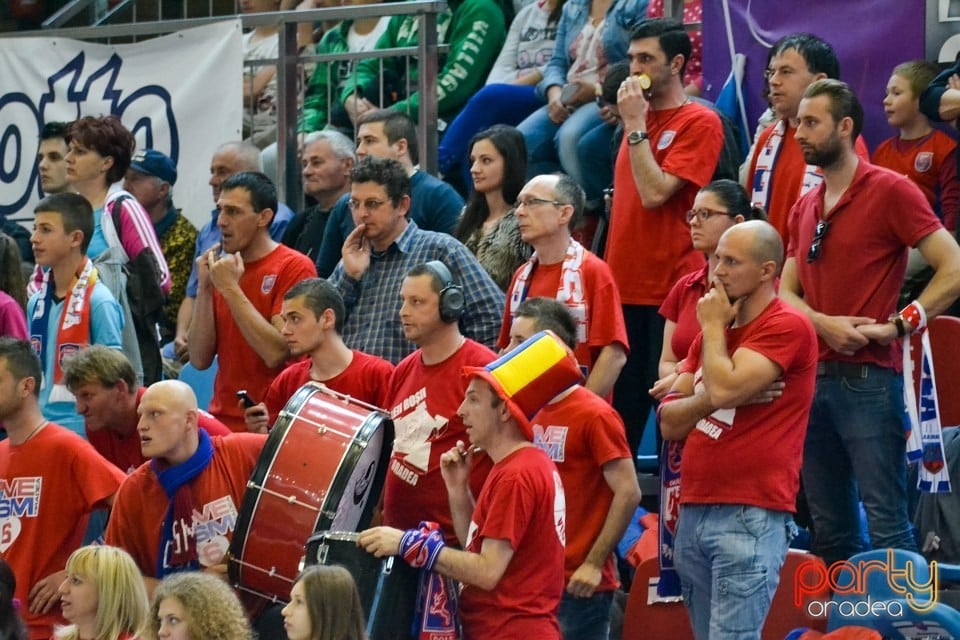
{"x":137,"y":233}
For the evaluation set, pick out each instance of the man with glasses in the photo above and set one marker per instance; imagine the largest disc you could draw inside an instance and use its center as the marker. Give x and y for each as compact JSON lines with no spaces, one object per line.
{"x":778,"y":174}
{"x":548,"y":208}
{"x":669,"y":150}
{"x":380,"y":251}
{"x":845,"y":264}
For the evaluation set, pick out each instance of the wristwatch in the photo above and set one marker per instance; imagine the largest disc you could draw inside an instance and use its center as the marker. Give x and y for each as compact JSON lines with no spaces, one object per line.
{"x":636,"y":137}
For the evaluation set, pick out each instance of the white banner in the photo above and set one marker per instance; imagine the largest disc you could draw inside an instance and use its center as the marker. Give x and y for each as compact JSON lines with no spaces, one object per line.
{"x":180,"y":94}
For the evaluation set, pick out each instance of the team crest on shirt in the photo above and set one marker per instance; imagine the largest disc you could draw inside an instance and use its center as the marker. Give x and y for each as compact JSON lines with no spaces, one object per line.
{"x":19,"y":498}
{"x":552,"y":440}
{"x":666,"y":139}
{"x":923,"y":161}
{"x":266,"y":286}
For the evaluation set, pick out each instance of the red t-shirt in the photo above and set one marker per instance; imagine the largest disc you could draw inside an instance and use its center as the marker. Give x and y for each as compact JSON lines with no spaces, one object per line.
{"x":366,"y":378}
{"x":424,"y":404}
{"x":931,"y":162}
{"x":141,"y":505}
{"x":680,"y":307}
{"x":264,"y":282}
{"x":650,"y":249}
{"x":751,"y":454}
{"x":124,"y":451}
{"x":864,"y":253}
{"x":581,"y":433}
{"x":523,"y":504}
{"x":604,"y":313}
{"x":51,"y":483}
{"x":788,"y":177}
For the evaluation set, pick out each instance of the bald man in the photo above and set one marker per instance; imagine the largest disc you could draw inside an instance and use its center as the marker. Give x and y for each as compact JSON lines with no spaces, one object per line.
{"x":741,"y":461}
{"x":178,"y":510}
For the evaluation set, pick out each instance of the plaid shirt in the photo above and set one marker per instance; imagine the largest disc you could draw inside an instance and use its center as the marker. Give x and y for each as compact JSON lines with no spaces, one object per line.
{"x":373,"y":302}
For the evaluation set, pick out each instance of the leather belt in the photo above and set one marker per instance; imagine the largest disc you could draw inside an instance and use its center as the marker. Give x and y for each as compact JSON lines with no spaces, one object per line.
{"x":837,"y":369}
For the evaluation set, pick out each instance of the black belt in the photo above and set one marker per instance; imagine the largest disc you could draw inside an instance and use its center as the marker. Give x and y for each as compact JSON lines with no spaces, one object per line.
{"x":839,"y":369}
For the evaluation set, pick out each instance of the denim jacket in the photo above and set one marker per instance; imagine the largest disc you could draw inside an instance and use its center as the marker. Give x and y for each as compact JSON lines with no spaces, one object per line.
{"x":622,"y":16}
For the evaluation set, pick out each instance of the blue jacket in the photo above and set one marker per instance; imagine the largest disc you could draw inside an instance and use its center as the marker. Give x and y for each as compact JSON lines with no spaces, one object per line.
{"x":622,"y":16}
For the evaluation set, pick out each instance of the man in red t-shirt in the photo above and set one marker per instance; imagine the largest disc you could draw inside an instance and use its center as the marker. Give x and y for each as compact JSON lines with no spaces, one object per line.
{"x":108,"y":395}
{"x":511,"y":567}
{"x":312,"y":316}
{"x":425,"y":390}
{"x":585,"y":438}
{"x":179,"y":511}
{"x":236,"y":316}
{"x":549,"y":207}
{"x":50,"y":481}
{"x":669,"y":151}
{"x":845,"y":264}
{"x":741,"y":461}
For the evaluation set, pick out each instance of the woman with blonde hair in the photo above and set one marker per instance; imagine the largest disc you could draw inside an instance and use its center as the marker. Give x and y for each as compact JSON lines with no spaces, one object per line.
{"x":103,"y":596}
{"x":197,"y":606}
{"x":324,"y":605}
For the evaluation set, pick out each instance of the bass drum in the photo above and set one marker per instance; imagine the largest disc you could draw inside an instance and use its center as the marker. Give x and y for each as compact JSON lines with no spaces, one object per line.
{"x":387,"y":586}
{"x":322,"y":467}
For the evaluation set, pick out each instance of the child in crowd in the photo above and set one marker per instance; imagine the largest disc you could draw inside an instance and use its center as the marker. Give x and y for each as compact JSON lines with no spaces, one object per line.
{"x":11,"y":624}
{"x":103,"y":596}
{"x":13,"y":290}
{"x":72,"y":309}
{"x":324,"y":605}
{"x":197,"y":606}
{"x":923,"y":154}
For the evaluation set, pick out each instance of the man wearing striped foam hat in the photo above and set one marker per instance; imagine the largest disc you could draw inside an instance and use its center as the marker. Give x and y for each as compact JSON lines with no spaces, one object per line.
{"x":512,"y":565}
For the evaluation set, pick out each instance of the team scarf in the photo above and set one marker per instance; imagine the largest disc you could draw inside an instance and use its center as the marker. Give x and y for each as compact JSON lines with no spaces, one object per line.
{"x":438,"y":607}
{"x":924,"y":435}
{"x":767,"y":160}
{"x":668,"y":586}
{"x":182,"y":554}
{"x":569,"y":292}
{"x":73,"y":333}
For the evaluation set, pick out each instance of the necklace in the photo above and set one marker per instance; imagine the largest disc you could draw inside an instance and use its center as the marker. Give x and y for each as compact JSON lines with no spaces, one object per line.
{"x":42,"y":424}
{"x":672,"y":116}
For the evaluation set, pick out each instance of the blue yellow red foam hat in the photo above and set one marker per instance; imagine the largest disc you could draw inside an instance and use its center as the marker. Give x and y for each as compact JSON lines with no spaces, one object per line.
{"x":528,"y":377}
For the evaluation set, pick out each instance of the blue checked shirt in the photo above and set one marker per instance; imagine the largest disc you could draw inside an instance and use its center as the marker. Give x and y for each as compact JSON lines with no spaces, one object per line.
{"x":373,"y":302}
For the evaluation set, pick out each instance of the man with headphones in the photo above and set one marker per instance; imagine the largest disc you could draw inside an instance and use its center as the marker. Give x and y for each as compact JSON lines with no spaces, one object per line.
{"x":380,"y":252}
{"x":426,"y":388}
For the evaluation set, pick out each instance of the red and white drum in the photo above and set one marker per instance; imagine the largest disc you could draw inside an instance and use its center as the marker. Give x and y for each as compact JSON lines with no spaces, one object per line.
{"x":322,"y":467}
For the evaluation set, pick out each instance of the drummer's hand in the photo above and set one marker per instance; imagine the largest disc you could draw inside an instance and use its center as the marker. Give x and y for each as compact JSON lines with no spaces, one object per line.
{"x":584,"y":580}
{"x":455,"y":465}
{"x":256,"y":417}
{"x":380,"y":541}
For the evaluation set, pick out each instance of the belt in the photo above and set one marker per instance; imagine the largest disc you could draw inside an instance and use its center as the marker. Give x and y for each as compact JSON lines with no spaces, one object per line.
{"x":839,"y":369}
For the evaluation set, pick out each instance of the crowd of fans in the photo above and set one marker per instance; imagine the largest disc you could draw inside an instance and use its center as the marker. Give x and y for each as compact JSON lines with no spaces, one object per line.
{"x":757,"y":323}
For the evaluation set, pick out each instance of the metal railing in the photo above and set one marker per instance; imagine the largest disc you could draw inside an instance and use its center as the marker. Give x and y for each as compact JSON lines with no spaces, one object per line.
{"x":288,"y":181}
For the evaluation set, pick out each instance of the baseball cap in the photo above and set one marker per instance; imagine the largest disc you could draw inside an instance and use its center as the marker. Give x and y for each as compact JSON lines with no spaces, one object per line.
{"x":154,"y":163}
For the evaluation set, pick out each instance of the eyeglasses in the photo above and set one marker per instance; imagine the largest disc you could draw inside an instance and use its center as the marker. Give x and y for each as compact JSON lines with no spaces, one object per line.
{"x":533,"y":202}
{"x":369,"y":205}
{"x":703,"y":214}
{"x":818,"y":235}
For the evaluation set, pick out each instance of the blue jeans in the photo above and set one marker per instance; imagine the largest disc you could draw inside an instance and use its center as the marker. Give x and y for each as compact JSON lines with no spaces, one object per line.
{"x":585,"y":618}
{"x":492,"y":104}
{"x":855,"y":448}
{"x":729,"y":558}
{"x":552,"y":147}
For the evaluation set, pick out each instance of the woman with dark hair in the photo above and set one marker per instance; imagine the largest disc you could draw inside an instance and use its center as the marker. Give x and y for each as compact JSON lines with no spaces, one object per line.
{"x":11,"y":624}
{"x":324,"y":605}
{"x":98,"y":156}
{"x":717,"y":207}
{"x":13,"y":290}
{"x":488,"y":226}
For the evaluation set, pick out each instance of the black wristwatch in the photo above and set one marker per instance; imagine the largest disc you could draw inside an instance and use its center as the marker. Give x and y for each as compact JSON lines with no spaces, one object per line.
{"x":636,"y":137}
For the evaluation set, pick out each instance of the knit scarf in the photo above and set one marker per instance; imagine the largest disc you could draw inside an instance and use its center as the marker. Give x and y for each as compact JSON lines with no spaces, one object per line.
{"x":569,"y":292}
{"x":925,"y":437}
{"x":73,"y":333}
{"x":767,"y":160}
{"x":175,"y":481}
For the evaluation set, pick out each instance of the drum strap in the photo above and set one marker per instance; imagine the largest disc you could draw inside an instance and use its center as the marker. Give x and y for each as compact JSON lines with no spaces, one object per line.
{"x":175,"y":481}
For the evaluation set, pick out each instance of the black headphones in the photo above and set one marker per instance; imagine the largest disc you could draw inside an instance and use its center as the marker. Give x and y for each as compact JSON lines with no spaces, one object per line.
{"x":451,"y":294}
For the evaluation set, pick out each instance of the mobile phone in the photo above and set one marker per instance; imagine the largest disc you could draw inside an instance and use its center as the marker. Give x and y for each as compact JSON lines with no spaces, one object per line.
{"x":247,"y":400}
